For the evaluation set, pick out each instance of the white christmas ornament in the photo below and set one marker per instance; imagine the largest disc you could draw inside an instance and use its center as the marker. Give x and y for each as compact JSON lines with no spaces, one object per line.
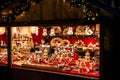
{"x":52,"y":32}
{"x":44,"y":32}
{"x":88,"y":31}
{"x":70,"y":31}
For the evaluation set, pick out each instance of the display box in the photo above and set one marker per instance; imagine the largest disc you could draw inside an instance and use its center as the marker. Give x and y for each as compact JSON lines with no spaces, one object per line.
{"x":3,"y":45}
{"x":73,"y":49}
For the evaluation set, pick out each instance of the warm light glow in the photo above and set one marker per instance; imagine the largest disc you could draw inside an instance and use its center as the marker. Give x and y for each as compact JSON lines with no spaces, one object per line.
{"x":34,"y":30}
{"x":2,"y":30}
{"x":64,"y":1}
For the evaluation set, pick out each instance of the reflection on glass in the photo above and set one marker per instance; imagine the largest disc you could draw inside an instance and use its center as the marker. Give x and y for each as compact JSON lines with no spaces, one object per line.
{"x":71,"y":49}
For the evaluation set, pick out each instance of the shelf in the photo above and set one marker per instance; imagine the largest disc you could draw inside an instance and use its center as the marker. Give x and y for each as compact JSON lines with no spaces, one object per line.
{"x":69,"y":36}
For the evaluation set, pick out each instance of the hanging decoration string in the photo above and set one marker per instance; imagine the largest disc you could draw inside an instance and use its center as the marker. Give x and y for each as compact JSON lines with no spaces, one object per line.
{"x":91,"y":14}
{"x":4,"y":4}
{"x":24,"y":6}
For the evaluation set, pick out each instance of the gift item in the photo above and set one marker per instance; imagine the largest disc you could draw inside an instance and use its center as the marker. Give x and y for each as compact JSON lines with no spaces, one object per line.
{"x":57,"y":47}
{"x":44,"y":32}
{"x":80,"y":30}
{"x":70,"y":31}
{"x":88,"y":31}
{"x":57,"y":29}
{"x":52,"y":32}
{"x":87,"y":56}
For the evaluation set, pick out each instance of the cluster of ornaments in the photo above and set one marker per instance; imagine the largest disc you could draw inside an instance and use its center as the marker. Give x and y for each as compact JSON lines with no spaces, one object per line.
{"x":80,"y":30}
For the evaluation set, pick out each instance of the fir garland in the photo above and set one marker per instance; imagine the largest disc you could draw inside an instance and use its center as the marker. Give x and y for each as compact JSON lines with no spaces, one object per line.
{"x":91,"y":14}
{"x":24,"y":6}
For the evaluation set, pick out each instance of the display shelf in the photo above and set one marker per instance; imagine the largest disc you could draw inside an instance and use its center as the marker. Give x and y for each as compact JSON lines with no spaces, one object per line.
{"x":57,"y":51}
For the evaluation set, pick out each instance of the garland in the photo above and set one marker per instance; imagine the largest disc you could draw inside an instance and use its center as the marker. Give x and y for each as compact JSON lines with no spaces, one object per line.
{"x":24,"y":6}
{"x":91,"y":13}
{"x":4,"y":4}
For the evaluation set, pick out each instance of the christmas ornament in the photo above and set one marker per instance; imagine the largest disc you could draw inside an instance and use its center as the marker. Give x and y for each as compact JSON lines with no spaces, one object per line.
{"x":52,"y":32}
{"x":44,"y":32}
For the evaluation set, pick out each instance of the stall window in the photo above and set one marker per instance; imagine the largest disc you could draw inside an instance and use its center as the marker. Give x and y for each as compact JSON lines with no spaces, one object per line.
{"x":65,"y":49}
{"x":3,"y":46}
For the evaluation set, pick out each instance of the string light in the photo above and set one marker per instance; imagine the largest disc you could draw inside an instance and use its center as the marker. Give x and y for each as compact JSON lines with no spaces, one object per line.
{"x":4,"y":4}
{"x":91,"y":14}
{"x":24,"y":6}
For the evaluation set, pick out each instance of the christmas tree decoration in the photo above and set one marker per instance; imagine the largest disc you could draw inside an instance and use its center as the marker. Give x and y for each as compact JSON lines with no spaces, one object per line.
{"x":44,"y":32}
{"x":18,"y":9}
{"x":52,"y":32}
{"x":76,"y":3}
{"x":91,"y":13}
{"x":70,"y":31}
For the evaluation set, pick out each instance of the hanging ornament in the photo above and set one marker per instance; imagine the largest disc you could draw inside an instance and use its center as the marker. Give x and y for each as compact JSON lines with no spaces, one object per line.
{"x":52,"y":32}
{"x":44,"y":32}
{"x":88,"y":31}
{"x":70,"y":31}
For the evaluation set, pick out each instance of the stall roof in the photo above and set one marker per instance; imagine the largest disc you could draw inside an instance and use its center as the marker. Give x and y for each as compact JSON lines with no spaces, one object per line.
{"x":52,"y":10}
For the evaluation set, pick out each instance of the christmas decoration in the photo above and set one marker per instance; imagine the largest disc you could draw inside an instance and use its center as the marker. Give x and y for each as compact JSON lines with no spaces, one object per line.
{"x":70,"y":31}
{"x":91,"y":13}
{"x":44,"y":32}
{"x":17,"y":10}
{"x":4,"y":4}
{"x":52,"y":32}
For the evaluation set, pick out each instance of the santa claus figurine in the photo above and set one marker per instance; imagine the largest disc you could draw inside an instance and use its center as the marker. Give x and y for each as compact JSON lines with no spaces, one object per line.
{"x":44,"y":32}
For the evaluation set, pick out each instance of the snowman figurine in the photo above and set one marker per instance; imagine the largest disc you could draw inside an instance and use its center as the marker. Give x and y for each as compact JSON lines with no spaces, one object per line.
{"x":44,"y":32}
{"x":70,"y":31}
{"x":52,"y":32}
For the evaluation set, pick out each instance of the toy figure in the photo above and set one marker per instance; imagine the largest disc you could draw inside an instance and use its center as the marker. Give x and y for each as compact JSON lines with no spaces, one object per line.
{"x":44,"y":32}
{"x":88,"y":31}
{"x":52,"y":32}
{"x":70,"y":31}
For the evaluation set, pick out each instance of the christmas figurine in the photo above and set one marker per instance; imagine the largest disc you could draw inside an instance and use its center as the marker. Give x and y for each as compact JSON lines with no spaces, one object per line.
{"x":88,"y":31}
{"x":52,"y":32}
{"x":70,"y":31}
{"x":44,"y":32}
